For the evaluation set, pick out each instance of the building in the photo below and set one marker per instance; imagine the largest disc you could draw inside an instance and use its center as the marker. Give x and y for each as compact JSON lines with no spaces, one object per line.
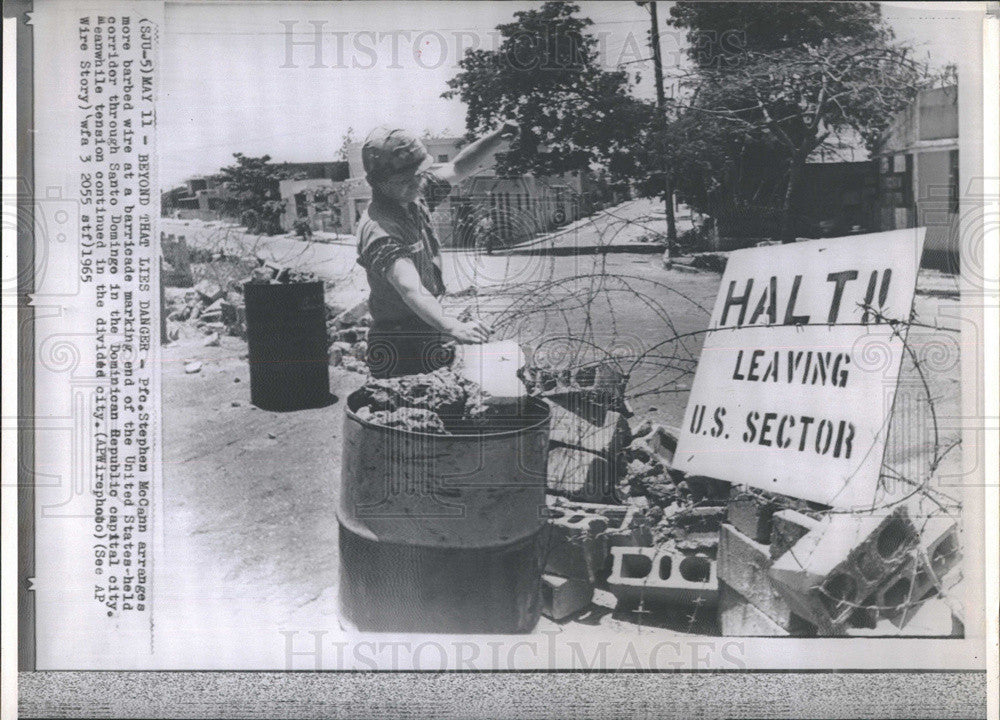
{"x":335,"y":170}
{"x":315,"y":201}
{"x":917,"y":168}
{"x":199,"y":198}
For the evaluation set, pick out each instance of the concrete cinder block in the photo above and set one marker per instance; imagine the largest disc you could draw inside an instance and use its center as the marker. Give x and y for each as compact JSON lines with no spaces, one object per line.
{"x":787,"y":528}
{"x":575,"y":548}
{"x":606,"y":438}
{"x":901,"y":597}
{"x":562,"y":597}
{"x":835,"y":568}
{"x":739,"y":618}
{"x":653,"y":575}
{"x":933,"y":618}
{"x":744,"y":565}
{"x":580,"y":535}
{"x":940,"y":542}
{"x":921,"y":576}
{"x":750,"y":513}
{"x":581,"y":475}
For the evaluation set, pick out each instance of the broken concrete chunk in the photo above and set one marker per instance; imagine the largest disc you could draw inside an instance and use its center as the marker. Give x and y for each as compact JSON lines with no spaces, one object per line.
{"x":412,"y":419}
{"x":338,"y":351}
{"x":359,"y":350}
{"x":209,"y":291}
{"x":354,"y":316}
{"x":192,"y":367}
{"x":644,"y":429}
{"x":660,"y":443}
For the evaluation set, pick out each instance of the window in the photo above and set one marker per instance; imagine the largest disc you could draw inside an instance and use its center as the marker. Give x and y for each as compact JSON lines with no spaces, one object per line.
{"x":443,"y":158}
{"x":897,"y":186}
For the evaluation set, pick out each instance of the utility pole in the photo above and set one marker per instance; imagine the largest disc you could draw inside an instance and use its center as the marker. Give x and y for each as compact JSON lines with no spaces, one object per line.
{"x":661,"y":105}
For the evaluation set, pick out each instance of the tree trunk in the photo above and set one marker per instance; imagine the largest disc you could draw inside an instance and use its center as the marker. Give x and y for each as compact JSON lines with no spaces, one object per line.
{"x":669,"y":206}
{"x":787,"y":231}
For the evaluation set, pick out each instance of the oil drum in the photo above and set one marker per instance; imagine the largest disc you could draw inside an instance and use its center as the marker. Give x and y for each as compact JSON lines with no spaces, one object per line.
{"x":443,"y":533}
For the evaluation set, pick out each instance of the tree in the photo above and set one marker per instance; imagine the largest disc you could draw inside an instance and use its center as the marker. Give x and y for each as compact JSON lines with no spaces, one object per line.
{"x":252,"y":193}
{"x":345,"y":141}
{"x":545,"y":73}
{"x":797,"y":77}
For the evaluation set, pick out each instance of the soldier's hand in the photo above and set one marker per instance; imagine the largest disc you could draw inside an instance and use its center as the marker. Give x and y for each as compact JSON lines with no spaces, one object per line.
{"x":467,"y":332}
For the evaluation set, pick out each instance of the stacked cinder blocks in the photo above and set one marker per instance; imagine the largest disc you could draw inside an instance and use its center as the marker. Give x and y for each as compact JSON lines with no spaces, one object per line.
{"x":756,"y":532}
{"x":784,"y":573}
{"x":580,"y":535}
{"x":837,"y":574}
{"x":576,"y":552}
{"x":661,"y":576}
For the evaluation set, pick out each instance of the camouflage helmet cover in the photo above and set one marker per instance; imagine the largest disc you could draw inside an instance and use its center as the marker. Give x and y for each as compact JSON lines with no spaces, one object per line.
{"x":387,"y":152}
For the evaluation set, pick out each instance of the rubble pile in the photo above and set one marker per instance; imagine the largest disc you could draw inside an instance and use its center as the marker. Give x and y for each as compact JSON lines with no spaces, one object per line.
{"x":207,"y":308}
{"x":347,"y":334}
{"x":215,"y":304}
{"x":621,"y":519}
{"x":750,"y":562}
{"x":422,"y":403}
{"x":265,"y":274}
{"x":407,"y":418}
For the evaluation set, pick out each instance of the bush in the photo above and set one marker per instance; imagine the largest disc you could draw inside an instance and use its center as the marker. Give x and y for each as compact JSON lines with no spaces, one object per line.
{"x":694,"y":240}
{"x":302,"y":228}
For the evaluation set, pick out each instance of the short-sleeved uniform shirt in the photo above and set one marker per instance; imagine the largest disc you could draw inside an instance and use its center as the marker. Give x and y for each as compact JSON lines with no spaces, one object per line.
{"x":399,"y":341}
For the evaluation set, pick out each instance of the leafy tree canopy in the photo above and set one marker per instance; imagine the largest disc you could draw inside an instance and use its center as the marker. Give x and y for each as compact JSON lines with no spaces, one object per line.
{"x":718,"y":31}
{"x":794,"y":77}
{"x":252,"y":192}
{"x":546,"y":74}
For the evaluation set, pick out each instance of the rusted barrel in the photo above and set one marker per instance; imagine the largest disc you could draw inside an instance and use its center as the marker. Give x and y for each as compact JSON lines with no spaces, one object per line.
{"x":443,"y":533}
{"x":286,"y":345}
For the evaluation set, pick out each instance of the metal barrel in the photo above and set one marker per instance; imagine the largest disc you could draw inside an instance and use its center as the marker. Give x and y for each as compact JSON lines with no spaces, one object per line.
{"x":287,"y":348}
{"x":443,"y":533}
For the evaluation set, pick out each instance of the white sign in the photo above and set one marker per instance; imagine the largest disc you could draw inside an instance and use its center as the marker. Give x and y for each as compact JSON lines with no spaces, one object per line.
{"x":794,"y":388}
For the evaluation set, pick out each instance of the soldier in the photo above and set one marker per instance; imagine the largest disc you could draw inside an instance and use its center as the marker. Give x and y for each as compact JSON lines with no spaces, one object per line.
{"x":401,"y":255}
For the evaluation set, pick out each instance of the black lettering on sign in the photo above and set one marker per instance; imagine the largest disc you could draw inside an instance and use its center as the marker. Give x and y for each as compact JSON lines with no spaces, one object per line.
{"x":751,"y":431}
{"x":770,"y":297}
{"x":841,"y":278}
{"x":790,"y":317}
{"x":740,"y":301}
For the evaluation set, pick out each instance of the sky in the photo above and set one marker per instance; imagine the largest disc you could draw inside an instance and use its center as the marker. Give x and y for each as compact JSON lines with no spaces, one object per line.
{"x":248,"y":77}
